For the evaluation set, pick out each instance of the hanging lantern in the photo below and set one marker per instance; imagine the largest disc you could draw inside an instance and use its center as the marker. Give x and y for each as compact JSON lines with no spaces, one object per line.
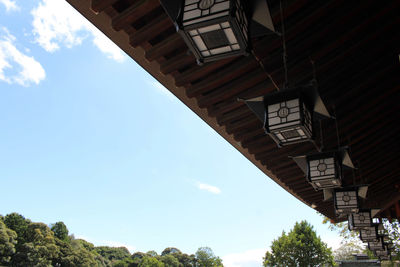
{"x":346,"y":200}
{"x":385,"y":252}
{"x":216,"y":29}
{"x":288,"y":118}
{"x":324,"y":170}
{"x":376,"y":245}
{"x":359,"y":220}
{"x":288,"y":115}
{"x":369,"y":234}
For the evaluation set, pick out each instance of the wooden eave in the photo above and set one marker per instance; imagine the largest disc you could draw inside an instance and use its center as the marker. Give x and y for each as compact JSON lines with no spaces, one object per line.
{"x":355,"y":47}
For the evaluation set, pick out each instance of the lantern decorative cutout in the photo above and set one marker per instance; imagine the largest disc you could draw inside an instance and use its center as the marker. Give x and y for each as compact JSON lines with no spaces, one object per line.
{"x":288,"y":115}
{"x":216,"y":29}
{"x":360,"y":220}
{"x":376,"y":245}
{"x":346,"y":201}
{"x":369,"y":234}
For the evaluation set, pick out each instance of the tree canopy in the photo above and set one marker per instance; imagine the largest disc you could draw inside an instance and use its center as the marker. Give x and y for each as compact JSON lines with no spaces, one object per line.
{"x":351,"y":243}
{"x":300,"y":247}
{"x":25,"y":243}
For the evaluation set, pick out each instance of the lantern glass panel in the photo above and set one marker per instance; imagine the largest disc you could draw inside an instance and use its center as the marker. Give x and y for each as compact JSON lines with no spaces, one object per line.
{"x":346,"y":201}
{"x":214,"y":29}
{"x":360,"y":220}
{"x":369,"y":234}
{"x":324,"y":171}
{"x":288,"y":119}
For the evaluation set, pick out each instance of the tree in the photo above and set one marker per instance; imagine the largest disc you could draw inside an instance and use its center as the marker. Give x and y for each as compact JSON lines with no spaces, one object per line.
{"x":352,"y":244}
{"x":170,"y":261}
{"x":300,"y":247}
{"x":152,"y":253}
{"x":392,"y":229}
{"x":39,"y":249}
{"x":205,"y":257}
{"x":150,"y":262}
{"x":113,"y":253}
{"x":19,"y":224}
{"x":60,"y":230}
{"x":8,"y":239}
{"x":347,"y":250}
{"x":170,"y":250}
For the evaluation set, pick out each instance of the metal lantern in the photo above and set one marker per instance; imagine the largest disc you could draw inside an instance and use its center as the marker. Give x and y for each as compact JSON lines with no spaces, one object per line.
{"x":324,"y":170}
{"x":288,"y":118}
{"x":359,"y":220}
{"x":214,"y":29}
{"x":346,"y":200}
{"x":288,"y":115}
{"x":385,"y":252}
{"x":369,"y":234}
{"x":376,"y":245}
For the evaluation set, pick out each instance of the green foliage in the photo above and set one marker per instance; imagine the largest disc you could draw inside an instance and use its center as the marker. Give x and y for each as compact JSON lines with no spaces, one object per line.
{"x":205,"y":257}
{"x":60,"y":230}
{"x":300,"y":247}
{"x":152,"y":253}
{"x":186,"y":260}
{"x":351,"y":243}
{"x":25,"y":243}
{"x":17,"y":223}
{"x":170,"y":261}
{"x":151,"y":262}
{"x":74,"y":254}
{"x":8,"y":239}
{"x":112,"y":253}
{"x":39,"y":249}
{"x":170,"y":250}
{"x":392,"y":229}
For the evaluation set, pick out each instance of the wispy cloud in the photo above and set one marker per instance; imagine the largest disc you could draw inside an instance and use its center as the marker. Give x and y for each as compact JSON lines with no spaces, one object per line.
{"x":21,"y":68}
{"x":56,"y":24}
{"x":209,"y":188}
{"x":10,"y":5}
{"x":249,"y":258}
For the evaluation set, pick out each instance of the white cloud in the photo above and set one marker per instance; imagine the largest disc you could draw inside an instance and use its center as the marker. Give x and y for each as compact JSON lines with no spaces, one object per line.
{"x":26,"y":69}
{"x":209,"y":188}
{"x":56,"y":24}
{"x":10,"y":5}
{"x":249,"y":258}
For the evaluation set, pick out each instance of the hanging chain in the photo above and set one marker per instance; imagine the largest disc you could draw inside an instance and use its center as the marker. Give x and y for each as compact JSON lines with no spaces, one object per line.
{"x":337,"y":128}
{"x":284,"y":47}
{"x":263,"y":67}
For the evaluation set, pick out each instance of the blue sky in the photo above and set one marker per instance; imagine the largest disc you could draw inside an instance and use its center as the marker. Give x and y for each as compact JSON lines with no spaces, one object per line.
{"x":89,"y":138}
